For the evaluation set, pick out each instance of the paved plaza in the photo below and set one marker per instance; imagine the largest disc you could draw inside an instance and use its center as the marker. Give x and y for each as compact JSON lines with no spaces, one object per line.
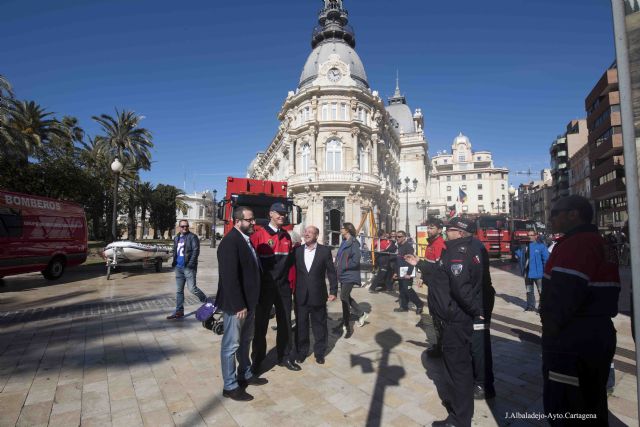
{"x":87,"y":351}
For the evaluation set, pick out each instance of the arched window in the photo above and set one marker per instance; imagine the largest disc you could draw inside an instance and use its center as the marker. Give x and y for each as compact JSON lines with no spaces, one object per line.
{"x":334,"y":156}
{"x":304,"y":158}
{"x":363,"y":160}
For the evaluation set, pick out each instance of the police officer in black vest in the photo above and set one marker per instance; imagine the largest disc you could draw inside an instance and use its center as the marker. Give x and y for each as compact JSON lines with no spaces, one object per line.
{"x":457,"y":287}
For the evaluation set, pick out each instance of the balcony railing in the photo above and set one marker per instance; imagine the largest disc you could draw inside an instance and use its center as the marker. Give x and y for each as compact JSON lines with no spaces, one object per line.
{"x":334,"y":177}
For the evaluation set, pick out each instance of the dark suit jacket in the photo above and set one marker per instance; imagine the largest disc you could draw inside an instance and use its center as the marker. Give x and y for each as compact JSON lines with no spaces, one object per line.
{"x":311,"y":287}
{"x":239,"y":274}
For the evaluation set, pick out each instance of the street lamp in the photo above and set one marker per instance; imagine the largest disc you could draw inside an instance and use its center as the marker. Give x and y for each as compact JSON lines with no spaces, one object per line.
{"x":512,"y":193}
{"x":424,"y":206}
{"x":116,"y":167}
{"x":215,"y":218}
{"x":497,"y":204}
{"x":407,"y":190}
{"x":204,"y":210}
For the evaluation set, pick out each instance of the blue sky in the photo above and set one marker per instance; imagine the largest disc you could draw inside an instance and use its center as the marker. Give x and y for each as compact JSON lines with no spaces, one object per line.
{"x":211,"y":76}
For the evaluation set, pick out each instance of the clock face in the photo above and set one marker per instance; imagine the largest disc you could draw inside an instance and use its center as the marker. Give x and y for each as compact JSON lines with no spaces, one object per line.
{"x":334,"y":75}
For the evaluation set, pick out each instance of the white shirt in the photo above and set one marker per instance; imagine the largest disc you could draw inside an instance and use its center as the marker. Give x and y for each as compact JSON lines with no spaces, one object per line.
{"x":273,"y":228}
{"x":253,"y":251}
{"x":309,"y":254}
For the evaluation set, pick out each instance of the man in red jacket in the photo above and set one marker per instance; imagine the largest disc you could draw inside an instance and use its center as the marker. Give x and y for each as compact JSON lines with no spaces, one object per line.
{"x":274,"y":247}
{"x":580,"y":291}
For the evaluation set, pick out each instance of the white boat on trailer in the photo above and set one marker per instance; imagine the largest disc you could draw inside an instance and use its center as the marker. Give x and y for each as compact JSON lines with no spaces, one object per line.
{"x":126,"y":252}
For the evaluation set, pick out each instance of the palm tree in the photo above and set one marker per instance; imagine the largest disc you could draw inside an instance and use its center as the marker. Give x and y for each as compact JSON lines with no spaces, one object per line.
{"x":6,"y":93}
{"x":27,"y":126}
{"x":124,"y":139}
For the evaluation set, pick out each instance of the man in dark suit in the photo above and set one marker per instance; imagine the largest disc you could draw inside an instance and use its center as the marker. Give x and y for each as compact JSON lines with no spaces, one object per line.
{"x":313,"y":263}
{"x":238,"y":292}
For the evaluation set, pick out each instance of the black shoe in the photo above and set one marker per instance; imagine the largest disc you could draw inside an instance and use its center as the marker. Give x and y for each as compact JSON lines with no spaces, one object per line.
{"x":320,"y":360}
{"x":434,"y":352}
{"x":237,"y":394}
{"x":400,"y":310}
{"x":290,"y":365}
{"x":176,"y":315}
{"x":252,"y":381}
{"x":481,"y":393}
{"x":443,"y":423}
{"x":348,"y":332}
{"x":301,"y":359}
{"x":420,"y":309}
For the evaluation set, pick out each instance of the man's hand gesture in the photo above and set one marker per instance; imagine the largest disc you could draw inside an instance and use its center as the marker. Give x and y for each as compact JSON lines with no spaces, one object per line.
{"x":411,"y":259}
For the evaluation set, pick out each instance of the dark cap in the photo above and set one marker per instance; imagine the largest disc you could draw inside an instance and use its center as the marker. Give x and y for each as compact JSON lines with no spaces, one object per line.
{"x":278,"y":207}
{"x":464,"y":224}
{"x":436,"y":222}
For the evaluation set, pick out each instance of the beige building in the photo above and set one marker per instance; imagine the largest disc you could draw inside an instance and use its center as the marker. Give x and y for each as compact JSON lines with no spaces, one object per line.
{"x":473,"y":173}
{"x":341,"y":149}
{"x":199,"y":213}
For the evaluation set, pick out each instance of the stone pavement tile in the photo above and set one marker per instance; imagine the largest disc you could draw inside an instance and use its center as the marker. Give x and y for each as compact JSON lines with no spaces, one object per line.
{"x":10,"y":407}
{"x":94,"y":404}
{"x":157,"y":418}
{"x":100,"y":420}
{"x":65,"y":419}
{"x":36,"y":414}
{"x":68,"y":393}
{"x":623,"y":406}
{"x":123,"y":405}
{"x":188,"y":419}
{"x":401,"y":421}
{"x":61,"y":408}
{"x":127,"y":419}
{"x":182,"y":405}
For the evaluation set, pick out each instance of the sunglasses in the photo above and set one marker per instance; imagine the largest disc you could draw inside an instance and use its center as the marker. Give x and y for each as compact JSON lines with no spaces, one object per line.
{"x":184,"y":226}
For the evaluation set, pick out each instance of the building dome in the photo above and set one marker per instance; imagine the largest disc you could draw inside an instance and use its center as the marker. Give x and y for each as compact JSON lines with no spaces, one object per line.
{"x":461,"y":139}
{"x":402,"y":119}
{"x":320,"y":54}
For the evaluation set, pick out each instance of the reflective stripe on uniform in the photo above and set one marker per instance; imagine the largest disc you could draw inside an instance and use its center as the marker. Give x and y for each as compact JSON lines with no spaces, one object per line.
{"x":572,"y":272}
{"x":480,"y":326}
{"x":281,"y":253}
{"x":564,"y":379}
{"x":432,"y":262}
{"x":605,"y":284}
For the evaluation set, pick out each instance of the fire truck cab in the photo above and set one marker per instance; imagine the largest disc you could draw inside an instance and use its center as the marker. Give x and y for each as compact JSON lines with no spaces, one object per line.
{"x":493,"y":232}
{"x":258,"y":195}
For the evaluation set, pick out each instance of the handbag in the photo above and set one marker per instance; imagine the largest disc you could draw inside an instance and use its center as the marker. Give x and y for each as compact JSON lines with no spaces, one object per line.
{"x":206,"y":311}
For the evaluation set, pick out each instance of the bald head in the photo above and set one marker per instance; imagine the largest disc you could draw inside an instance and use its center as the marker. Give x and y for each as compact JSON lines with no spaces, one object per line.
{"x":310,"y":236}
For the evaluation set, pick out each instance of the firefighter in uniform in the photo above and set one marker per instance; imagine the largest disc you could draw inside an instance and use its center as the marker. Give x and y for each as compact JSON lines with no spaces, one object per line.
{"x":456,"y":287}
{"x":274,"y":248}
{"x":481,"y":353}
{"x":579,"y":297}
{"x":427,"y":267}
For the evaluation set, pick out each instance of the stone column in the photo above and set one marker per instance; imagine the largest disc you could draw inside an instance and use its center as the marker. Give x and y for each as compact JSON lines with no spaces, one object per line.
{"x":312,"y":145}
{"x":374,"y":154}
{"x":354,"y":143}
{"x":292,"y":157}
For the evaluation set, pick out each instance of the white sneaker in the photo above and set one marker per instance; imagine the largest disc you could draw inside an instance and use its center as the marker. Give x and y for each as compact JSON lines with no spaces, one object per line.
{"x":362,"y":319}
{"x":344,"y":331}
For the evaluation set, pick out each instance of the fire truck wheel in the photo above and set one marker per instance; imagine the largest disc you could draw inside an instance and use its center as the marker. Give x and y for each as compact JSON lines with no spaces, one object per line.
{"x":55,"y":269}
{"x":158,"y":265}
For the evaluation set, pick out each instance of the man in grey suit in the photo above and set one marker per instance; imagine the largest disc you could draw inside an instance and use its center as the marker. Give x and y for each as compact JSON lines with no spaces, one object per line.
{"x":314,"y":263}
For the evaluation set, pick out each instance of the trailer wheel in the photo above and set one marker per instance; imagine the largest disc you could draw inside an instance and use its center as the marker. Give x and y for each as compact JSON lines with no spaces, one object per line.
{"x":208,"y":324}
{"x":108,"y":272}
{"x":55,"y":269}
{"x":218,"y":329}
{"x":158,"y":265}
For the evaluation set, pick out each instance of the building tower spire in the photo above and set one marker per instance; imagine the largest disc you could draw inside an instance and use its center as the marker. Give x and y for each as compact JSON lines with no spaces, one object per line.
{"x":397,"y":97}
{"x":333,"y":21}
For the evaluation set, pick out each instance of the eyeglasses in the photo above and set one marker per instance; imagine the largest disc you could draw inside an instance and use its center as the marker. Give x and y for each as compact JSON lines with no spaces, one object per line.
{"x":249,"y":219}
{"x":184,"y":226}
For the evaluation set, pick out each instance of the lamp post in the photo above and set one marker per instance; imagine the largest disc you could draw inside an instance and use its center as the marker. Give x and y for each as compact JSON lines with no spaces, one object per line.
{"x":424,"y":206}
{"x":498,"y":205}
{"x":407,"y":190}
{"x":116,"y":167}
{"x":512,"y":193}
{"x":215,"y":218}
{"x":204,"y":210}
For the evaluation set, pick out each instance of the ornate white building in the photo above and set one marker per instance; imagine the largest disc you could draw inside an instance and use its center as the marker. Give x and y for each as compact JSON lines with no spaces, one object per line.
{"x":471,"y":173}
{"x":340,"y":148}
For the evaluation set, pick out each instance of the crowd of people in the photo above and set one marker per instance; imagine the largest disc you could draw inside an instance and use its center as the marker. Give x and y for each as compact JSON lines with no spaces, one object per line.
{"x":577,"y":286}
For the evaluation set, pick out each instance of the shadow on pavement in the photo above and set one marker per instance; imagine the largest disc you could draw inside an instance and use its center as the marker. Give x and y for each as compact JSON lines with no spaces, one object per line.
{"x":388,"y":375}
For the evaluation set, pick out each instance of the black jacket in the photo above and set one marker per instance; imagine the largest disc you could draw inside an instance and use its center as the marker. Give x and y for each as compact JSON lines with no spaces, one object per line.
{"x":456,"y":284}
{"x":488,"y":294}
{"x":191,"y":250}
{"x":311,"y":286}
{"x":239,"y":274}
{"x":405,"y":249}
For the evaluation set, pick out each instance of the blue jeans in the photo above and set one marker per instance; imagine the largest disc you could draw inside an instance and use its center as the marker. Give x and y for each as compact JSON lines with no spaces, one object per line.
{"x":236,"y":342}
{"x":187,"y":275}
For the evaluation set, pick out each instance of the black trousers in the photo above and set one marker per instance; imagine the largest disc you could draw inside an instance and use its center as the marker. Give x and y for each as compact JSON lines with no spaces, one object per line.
{"x":434,"y":332}
{"x":456,"y":354}
{"x":575,"y":368}
{"x":271,"y":295}
{"x":481,"y":349}
{"x":408,"y":294}
{"x":348,"y":302}
{"x":318,"y":316}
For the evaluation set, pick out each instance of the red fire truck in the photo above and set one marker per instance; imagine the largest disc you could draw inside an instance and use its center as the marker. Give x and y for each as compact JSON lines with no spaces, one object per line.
{"x":493,"y":232}
{"x":259,"y":196}
{"x":521,"y":231}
